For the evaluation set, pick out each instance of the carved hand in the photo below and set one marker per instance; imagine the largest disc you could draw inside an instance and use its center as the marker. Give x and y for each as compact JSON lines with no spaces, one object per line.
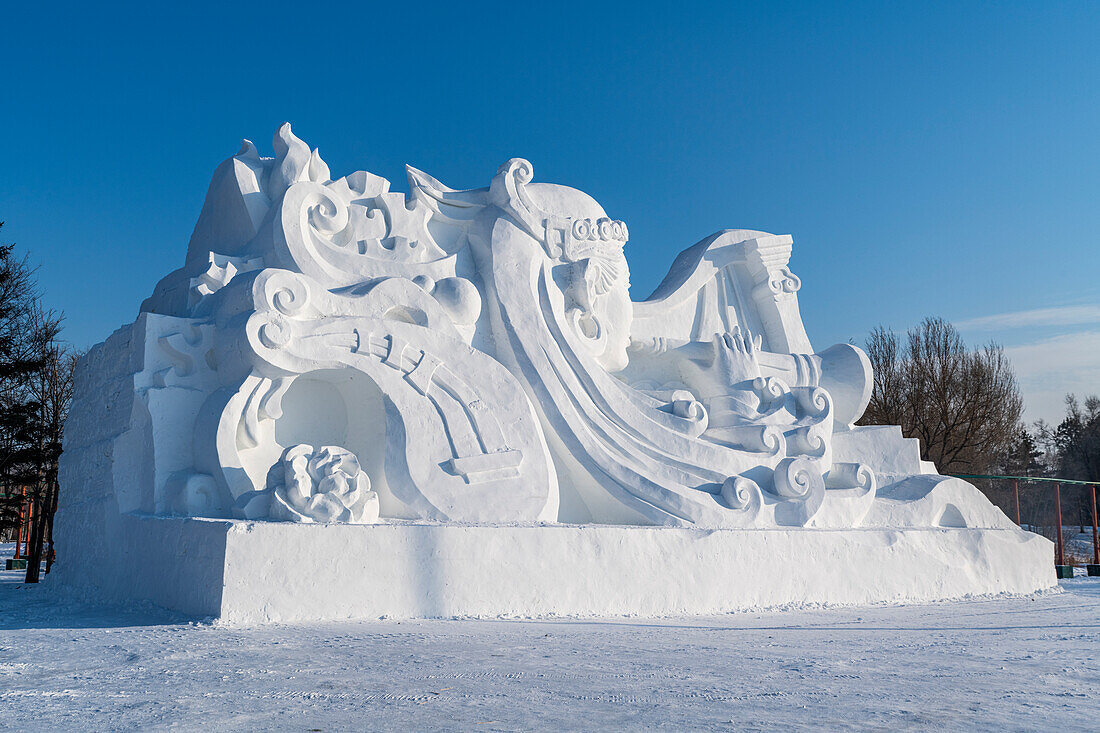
{"x":722,"y":365}
{"x":736,"y":356}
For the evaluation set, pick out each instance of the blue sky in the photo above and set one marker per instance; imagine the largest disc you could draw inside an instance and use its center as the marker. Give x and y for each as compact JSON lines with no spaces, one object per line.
{"x":929,"y":158}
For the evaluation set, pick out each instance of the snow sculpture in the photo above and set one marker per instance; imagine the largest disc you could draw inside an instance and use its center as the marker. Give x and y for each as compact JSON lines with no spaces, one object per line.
{"x":474,"y":356}
{"x":325,"y":485}
{"x":497,"y":325}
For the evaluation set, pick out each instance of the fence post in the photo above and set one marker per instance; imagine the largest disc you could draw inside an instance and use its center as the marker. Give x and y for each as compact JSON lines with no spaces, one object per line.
{"x":1095,"y":538}
{"x":1016,"y":493}
{"x":19,"y":529}
{"x":1059,"y":549}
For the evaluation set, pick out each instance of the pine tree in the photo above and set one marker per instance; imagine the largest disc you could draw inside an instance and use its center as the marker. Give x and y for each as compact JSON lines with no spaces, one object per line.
{"x":1024,"y":458}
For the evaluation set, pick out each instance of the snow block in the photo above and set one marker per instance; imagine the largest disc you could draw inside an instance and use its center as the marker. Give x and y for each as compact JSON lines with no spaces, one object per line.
{"x":246,"y":572}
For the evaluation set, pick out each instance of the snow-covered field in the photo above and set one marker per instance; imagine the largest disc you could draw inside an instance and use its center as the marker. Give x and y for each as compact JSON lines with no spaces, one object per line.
{"x":988,"y":664}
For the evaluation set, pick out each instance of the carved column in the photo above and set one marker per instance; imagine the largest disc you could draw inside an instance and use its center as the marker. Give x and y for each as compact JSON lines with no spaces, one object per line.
{"x":775,"y":292}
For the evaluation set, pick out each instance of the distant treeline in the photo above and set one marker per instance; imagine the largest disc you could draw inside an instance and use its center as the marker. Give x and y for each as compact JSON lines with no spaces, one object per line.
{"x":965,"y":407}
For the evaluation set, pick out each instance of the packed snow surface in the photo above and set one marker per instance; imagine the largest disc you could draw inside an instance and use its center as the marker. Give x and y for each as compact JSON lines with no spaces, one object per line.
{"x":987,"y":664}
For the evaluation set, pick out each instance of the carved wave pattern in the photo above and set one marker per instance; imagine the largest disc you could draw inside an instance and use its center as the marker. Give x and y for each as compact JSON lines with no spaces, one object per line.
{"x":353,"y":229}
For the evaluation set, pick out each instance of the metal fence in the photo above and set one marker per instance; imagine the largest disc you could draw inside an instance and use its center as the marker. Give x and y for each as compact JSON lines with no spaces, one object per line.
{"x":19,"y":532}
{"x":1041,"y":510}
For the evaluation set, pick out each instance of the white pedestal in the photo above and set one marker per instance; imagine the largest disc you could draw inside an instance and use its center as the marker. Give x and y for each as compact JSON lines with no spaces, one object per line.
{"x":249,"y":572}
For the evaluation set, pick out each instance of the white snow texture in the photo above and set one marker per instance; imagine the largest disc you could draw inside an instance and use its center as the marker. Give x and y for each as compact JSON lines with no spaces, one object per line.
{"x":1004,"y":664}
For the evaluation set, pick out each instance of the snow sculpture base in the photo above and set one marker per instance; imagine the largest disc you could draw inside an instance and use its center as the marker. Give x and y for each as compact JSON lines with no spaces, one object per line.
{"x":250,"y":572}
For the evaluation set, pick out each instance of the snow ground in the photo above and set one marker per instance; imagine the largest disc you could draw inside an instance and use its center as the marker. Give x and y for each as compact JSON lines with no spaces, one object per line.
{"x":988,"y":664}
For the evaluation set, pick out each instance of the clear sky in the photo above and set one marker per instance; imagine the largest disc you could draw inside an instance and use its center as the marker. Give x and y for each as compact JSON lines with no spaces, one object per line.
{"x":929,"y":158}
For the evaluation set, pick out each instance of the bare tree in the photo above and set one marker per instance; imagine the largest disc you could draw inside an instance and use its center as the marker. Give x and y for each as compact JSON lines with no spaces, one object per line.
{"x":888,"y":398}
{"x":52,"y":392}
{"x":963,"y":405}
{"x":31,"y":361}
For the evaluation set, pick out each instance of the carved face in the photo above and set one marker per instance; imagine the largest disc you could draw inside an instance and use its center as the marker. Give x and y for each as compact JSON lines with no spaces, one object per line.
{"x":586,"y":246}
{"x":594,"y":274}
{"x":616,"y":311}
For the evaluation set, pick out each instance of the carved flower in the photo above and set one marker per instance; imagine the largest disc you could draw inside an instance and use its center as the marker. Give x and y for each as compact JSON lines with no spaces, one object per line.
{"x":326,"y":485}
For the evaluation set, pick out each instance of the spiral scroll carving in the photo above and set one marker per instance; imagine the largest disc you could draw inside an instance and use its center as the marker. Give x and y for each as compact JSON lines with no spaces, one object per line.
{"x":689,"y":409}
{"x":769,"y":389}
{"x":790,"y":282}
{"x":811,"y":440}
{"x":763,"y":439}
{"x":813,"y":401}
{"x":325,"y":212}
{"x":858,"y":476}
{"x":519,"y":169}
{"x":738,"y":491}
{"x":286,"y":293}
{"x":276,"y":332}
{"x":799,"y":479}
{"x":742,"y":495}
